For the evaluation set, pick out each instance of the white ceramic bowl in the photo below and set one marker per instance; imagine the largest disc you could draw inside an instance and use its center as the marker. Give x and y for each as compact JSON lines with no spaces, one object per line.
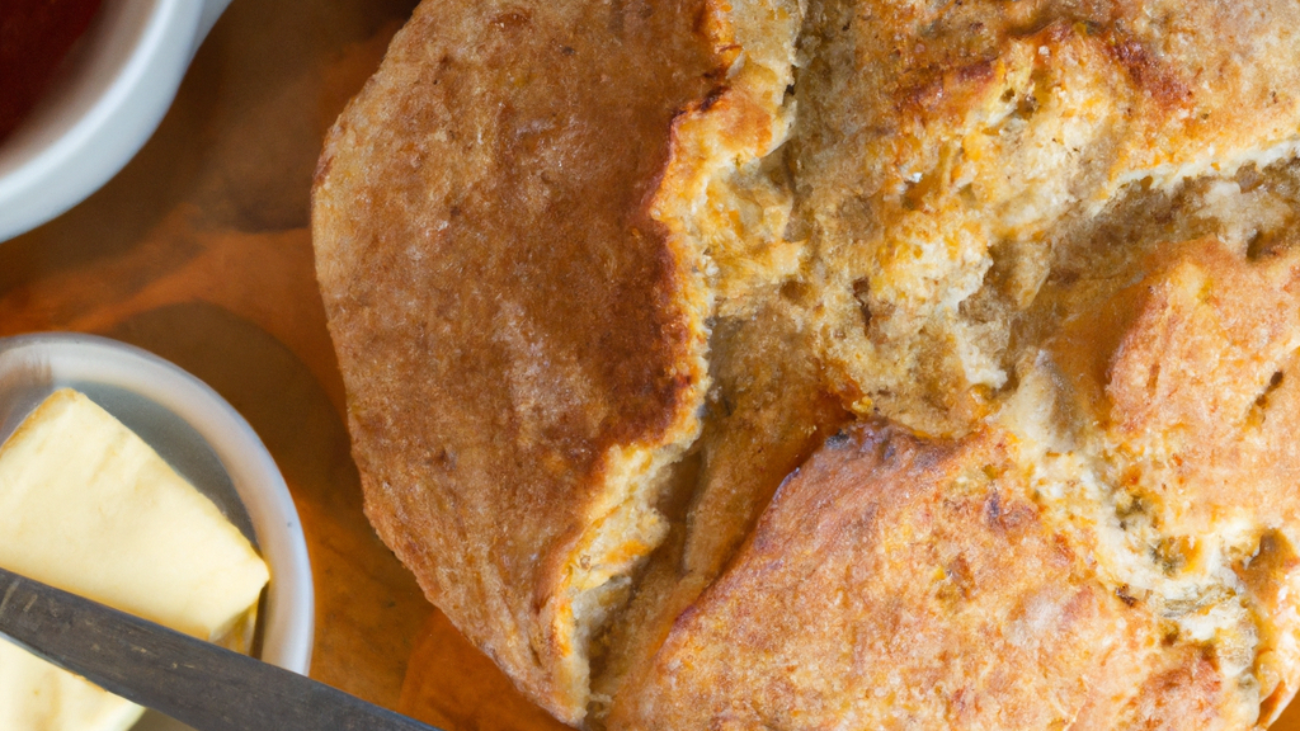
{"x":105,"y":102}
{"x":204,"y":439}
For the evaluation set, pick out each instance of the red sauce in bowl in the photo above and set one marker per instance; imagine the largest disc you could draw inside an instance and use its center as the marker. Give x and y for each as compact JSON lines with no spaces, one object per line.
{"x":35,"y":35}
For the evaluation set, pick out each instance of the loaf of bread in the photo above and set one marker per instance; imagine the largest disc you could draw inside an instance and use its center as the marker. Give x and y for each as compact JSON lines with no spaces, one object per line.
{"x":836,"y":363}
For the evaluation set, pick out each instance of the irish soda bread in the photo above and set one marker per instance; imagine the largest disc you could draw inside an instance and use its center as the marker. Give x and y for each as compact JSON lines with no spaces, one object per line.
{"x":840,"y":363}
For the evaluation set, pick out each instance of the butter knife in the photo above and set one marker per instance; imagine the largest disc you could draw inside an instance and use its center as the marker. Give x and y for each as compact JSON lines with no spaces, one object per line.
{"x":195,"y":682}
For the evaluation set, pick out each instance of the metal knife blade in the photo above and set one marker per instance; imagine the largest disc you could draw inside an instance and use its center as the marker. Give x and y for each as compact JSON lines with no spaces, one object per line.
{"x":195,"y":682}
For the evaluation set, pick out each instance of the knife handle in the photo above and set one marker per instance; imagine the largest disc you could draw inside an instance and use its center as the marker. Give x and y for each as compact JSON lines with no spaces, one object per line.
{"x":195,"y":682}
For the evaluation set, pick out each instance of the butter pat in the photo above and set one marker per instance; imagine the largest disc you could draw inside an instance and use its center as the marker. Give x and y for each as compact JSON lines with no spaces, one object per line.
{"x":37,"y":696}
{"x":87,"y":506}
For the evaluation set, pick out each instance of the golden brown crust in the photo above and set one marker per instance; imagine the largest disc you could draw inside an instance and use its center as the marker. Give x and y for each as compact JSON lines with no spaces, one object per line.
{"x":1198,"y":389}
{"x":1183,"y":358}
{"x":895,"y":583}
{"x":504,"y":308}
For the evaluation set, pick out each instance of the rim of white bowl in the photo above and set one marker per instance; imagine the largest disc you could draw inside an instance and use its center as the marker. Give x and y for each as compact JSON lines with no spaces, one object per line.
{"x":288,"y":620}
{"x":37,"y":187}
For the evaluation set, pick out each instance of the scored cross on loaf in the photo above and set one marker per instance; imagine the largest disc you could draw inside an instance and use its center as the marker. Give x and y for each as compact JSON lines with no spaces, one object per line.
{"x":848,"y":363}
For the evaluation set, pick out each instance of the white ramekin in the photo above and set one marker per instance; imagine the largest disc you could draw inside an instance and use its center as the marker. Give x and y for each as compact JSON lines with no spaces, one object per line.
{"x":105,"y":102}
{"x":204,"y":438}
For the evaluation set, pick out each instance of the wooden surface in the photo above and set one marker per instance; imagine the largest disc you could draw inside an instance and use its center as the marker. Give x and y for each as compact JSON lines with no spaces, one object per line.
{"x":199,"y":251}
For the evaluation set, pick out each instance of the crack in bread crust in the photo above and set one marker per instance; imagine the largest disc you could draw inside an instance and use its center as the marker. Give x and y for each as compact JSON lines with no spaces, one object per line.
{"x":929,"y":142}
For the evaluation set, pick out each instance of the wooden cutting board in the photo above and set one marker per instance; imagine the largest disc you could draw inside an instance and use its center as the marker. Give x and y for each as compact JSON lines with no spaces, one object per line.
{"x":200,"y":251}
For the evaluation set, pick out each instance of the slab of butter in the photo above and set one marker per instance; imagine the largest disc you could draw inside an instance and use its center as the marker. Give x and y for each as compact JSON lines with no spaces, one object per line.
{"x":87,"y":506}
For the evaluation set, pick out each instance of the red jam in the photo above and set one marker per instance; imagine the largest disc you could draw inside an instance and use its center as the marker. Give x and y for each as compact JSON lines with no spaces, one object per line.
{"x":35,"y":35}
